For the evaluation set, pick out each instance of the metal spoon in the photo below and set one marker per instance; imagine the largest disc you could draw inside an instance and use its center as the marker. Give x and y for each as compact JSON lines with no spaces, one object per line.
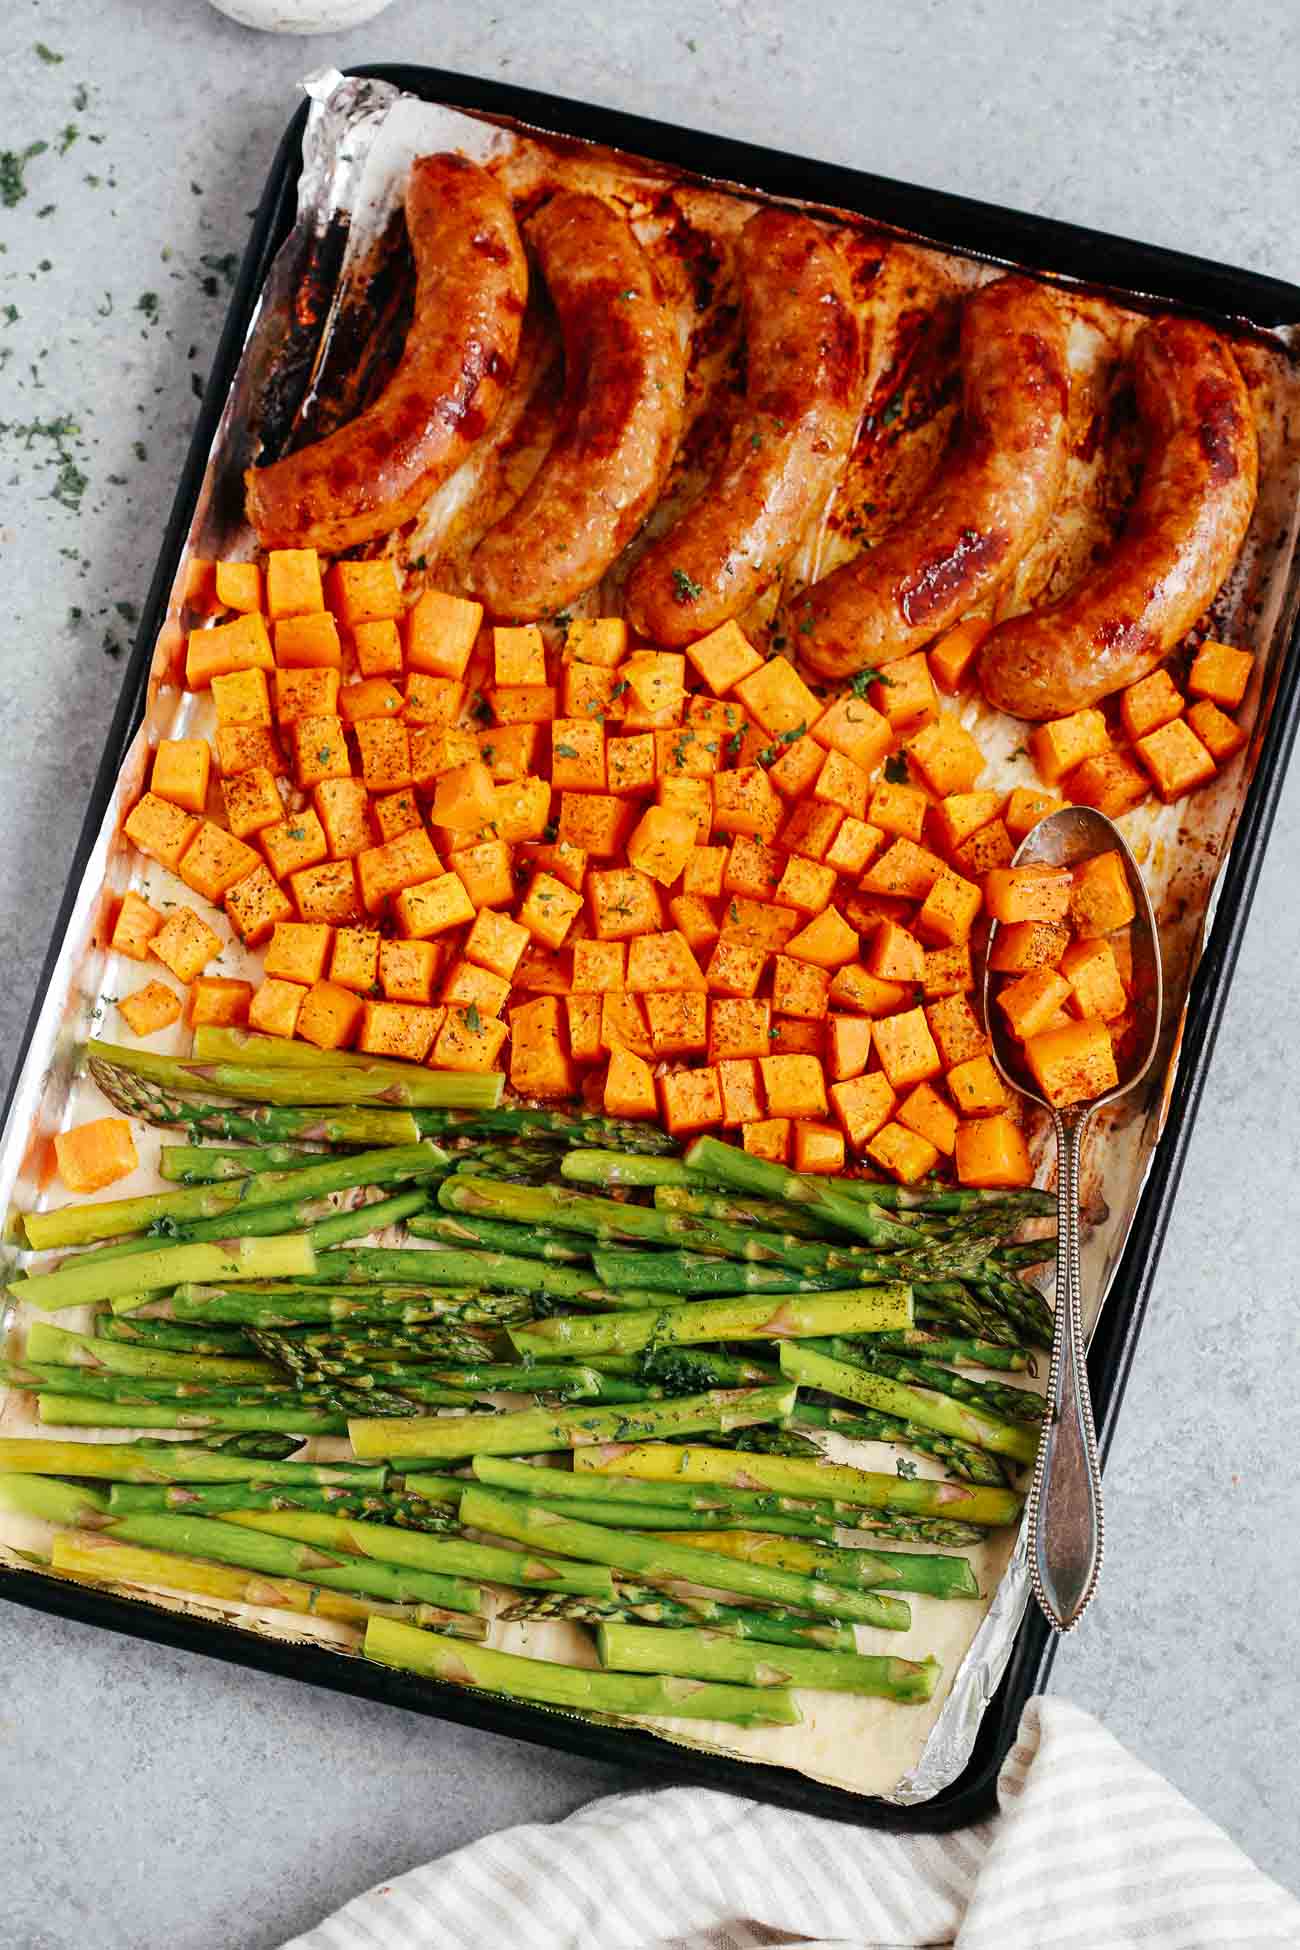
{"x":1065,"y":1519}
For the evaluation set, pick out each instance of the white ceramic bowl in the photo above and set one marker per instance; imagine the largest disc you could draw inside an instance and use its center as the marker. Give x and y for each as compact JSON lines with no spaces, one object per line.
{"x":300,"y":16}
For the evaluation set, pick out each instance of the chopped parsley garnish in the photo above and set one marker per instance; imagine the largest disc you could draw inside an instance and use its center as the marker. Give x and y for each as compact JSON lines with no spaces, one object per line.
{"x":906,"y":1469}
{"x":473,"y":1020}
{"x":862,"y":682}
{"x":13,"y":165}
{"x":685,"y":588}
{"x":47,"y":54}
{"x":566,"y":751}
{"x":147,"y":302}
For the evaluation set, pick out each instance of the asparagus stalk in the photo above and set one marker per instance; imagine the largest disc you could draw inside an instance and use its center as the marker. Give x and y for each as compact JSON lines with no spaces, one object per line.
{"x":319,"y":1369}
{"x":154,"y":1099}
{"x":872,"y":1309}
{"x":858,"y":1570}
{"x":686,"y":1370}
{"x":962,"y":1459}
{"x":956,"y":1307}
{"x":281,"y":1305}
{"x":725,"y":1164}
{"x":134,"y":1331}
{"x":73,"y":1225}
{"x":543,"y":1683}
{"x":660,"y":1462}
{"x":687,"y":1274}
{"x":657,"y":1560}
{"x":417,"y":1551}
{"x":658,"y":1522}
{"x":90,"y":1385}
{"x":244,"y":1442}
{"x":89,"y":1554}
{"x":773,"y":1626}
{"x":202,"y":1164}
{"x":1015,"y":1205}
{"x":296,"y":1082}
{"x":619,"y":1167}
{"x":998,"y":1398}
{"x":75,"y":1412}
{"x":405,"y":1512}
{"x":921,"y":1405}
{"x":705,"y":1655}
{"x":58,"y":1346}
{"x":534,"y":1431}
{"x":560,"y":1126}
{"x":182,"y":1462}
{"x":765,"y":1213}
{"x":318,"y":1220}
{"x":492,"y":1235}
{"x":446,"y":1266}
{"x":78,"y":1283}
{"x":962,"y":1350}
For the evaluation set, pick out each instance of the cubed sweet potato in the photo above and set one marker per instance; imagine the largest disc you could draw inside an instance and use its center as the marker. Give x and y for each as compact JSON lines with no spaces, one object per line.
{"x":293,"y":843}
{"x":799,"y":988}
{"x":737,"y":963}
{"x":856,"y":988}
{"x":185,"y":943}
{"x":274,"y":1008}
{"x":678,"y":1023}
{"x":252,"y":802}
{"x":795,"y":1086}
{"x":298,"y":951}
{"x":852,"y":726}
{"x":215,"y":861}
{"x":948,"y":971}
{"x":1025,"y":807}
{"x":956,"y":1029}
{"x":946,"y":756}
{"x":828,"y":940}
{"x":1058,"y":746}
{"x":254,"y":906}
{"x":1220,"y":673}
{"x":1218,"y":733}
{"x":1111,"y":783}
{"x":95,"y":1154}
{"x":906,"y":1154}
{"x":848,"y":1046}
{"x":149,"y":1009}
{"x":952,"y":656}
{"x":549,"y":910}
{"x":387,"y":870}
{"x":949,"y":910}
{"x":744,"y":801}
{"x":661,"y":844}
{"x":1093,"y":974}
{"x":924,"y":1111}
{"x":898,"y":809}
{"x":327,"y":892}
{"x":991,"y":1152}
{"x":1030,"y":1002}
{"x":818,"y":1147}
{"x":219,"y":1002}
{"x":496,"y":942}
{"x":906,"y":1048}
{"x":540,"y":1064}
{"x":629,"y":1086}
{"x":843,"y":783}
{"x":767,"y":1137}
{"x":1022,"y":945}
{"x":486,"y":870}
{"x":1028,"y":893}
{"x":1101,"y":899}
{"x":134,"y":928}
{"x":468,"y":1040}
{"x":895,"y":955}
{"x":1074,"y":1064}
{"x":180,"y":772}
{"x":364,"y":592}
{"x":696,"y":919}
{"x":401,"y":1029}
{"x":1148,"y":704}
{"x":241,"y":644}
{"x":433,"y":906}
{"x":662,"y":961}
{"x":160,"y":829}
{"x":354,"y":963}
{"x":440,"y":632}
{"x":596,"y":822}
{"x":739,"y":1028}
{"x":598,"y":640}
{"x":308,"y":643}
{"x":329,"y":1015}
{"x":904,"y":871}
{"x":976,"y":1086}
{"x":623,"y":903}
{"x":905,"y":692}
{"x":599,"y":967}
{"x":630,"y":764}
{"x":1176,"y":759}
{"x":378,"y":648}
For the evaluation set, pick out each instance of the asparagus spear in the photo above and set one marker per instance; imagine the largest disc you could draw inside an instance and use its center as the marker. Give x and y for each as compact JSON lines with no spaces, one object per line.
{"x":718,"y":1163}
{"x":619,"y":1167}
{"x":228,"y":1543}
{"x":773,"y":1626}
{"x":658,"y":1522}
{"x":858,"y":1570}
{"x":686,"y":1370}
{"x":962,"y":1350}
{"x":1016,"y":1205}
{"x":135,"y":1331}
{"x":617,"y":1268}
{"x":89,"y":1554}
{"x":56,"y":1345}
{"x":258,"y":1443}
{"x":281,"y":1305}
{"x":154,"y":1099}
{"x":447,"y":1556}
{"x":202,"y":1164}
{"x":533,"y":1431}
{"x":405,"y":1512}
{"x":452,"y":1229}
{"x":871,"y":1309}
{"x":656,"y":1560}
{"x":73,"y":1225}
{"x":87,"y":1385}
{"x":765,"y":1213}
{"x":963,"y":1459}
{"x":77,"y":1283}
{"x":1014,"y":1404}
{"x":544,"y":1683}
{"x":75,"y":1412}
{"x":181,"y":1462}
{"x":446,"y":1266}
{"x":921,"y":1405}
{"x":367,"y":1080}
{"x":706,"y":1655}
{"x":796,"y":1476}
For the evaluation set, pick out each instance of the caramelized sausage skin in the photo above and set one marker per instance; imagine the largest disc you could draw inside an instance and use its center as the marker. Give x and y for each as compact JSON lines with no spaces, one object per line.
{"x":790,"y":437}
{"x":367,"y":477}
{"x":986,"y":507}
{"x":1181,"y":538}
{"x":619,"y":422}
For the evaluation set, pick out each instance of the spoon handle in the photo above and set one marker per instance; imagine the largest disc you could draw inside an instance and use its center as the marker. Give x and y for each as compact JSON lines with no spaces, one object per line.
{"x":1065,"y":1521}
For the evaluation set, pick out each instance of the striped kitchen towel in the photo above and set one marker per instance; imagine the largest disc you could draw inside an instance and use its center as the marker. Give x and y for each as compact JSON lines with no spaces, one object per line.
{"x":1090,"y":1851}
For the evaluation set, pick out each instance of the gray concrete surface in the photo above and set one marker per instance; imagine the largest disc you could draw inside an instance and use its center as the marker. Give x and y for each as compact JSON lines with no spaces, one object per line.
{"x":151,"y":1799}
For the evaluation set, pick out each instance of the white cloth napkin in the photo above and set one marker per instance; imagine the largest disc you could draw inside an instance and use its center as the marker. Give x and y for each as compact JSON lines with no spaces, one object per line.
{"x":1090,"y":1851}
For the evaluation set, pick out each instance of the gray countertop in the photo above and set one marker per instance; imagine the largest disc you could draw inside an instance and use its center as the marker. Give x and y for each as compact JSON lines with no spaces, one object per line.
{"x":155,"y":1798}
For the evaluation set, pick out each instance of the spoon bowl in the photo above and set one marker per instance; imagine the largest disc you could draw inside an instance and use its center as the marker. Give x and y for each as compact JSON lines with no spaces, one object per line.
{"x":1065,"y":1529}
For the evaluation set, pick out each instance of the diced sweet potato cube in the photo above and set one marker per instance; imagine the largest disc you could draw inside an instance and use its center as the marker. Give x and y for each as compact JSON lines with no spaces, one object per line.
{"x":744,"y":802}
{"x":848,"y":1046}
{"x":810,"y":829}
{"x":238,"y":586}
{"x":136,"y":925}
{"x":378,"y":648}
{"x":293,"y":582}
{"x":342,"y":806}
{"x":905,"y":692}
{"x":433,"y":906}
{"x":403,"y":1029}
{"x":661,"y":843}
{"x":242,"y":697}
{"x":486,"y":871}
{"x":992,"y":1152}
{"x":355,"y":962}
{"x":956,"y":1029}
{"x":523,"y":811}
{"x":842,"y":783}
{"x":867,"y":995}
{"x":724,"y":657}
{"x":854,"y":846}
{"x":924,"y":1111}
{"x":818,"y":1147}
{"x":540,"y":1065}
{"x":623,"y":1024}
{"x":589,"y":693}
{"x":795,"y":1086}
{"x":465,"y":798}
{"x":578,"y":755}
{"x":948,"y":912}
{"x":568,"y":863}
{"x":215,"y":861}
{"x":549,"y":910}
{"x":796,"y":1036}
{"x":468,"y":1040}
{"x":946,"y":756}
{"x":662,"y":962}
{"x":435,"y":751}
{"x":1022,"y":945}
{"x":741,"y":1096}
{"x":275,"y":1007}
{"x":597,"y":823}
{"x":630,"y":763}
{"x":865,"y":912}
{"x":306,"y":693}
{"x":298,"y":951}
{"x":252,"y":802}
{"x":736,"y":964}
{"x":656,"y":680}
{"x":739,"y":1029}
{"x":496,"y":942}
{"x":850,"y":725}
{"x":1219,"y":735}
{"x":691,"y":796}
{"x":1101,"y":899}
{"x":543,"y":971}
{"x":320,"y":751}
{"x":895,"y":955}
{"x":800,"y":762}
{"x":1093,"y":974}
{"x":1058,"y":746}
{"x":308,"y":643}
{"x":242,"y":747}
{"x":293,"y":843}
{"x":1030,"y":1002}
{"x":776,"y":697}
{"x":1176,"y":759}
{"x":95,"y":1154}
{"x":629,"y":1086}
{"x":898,"y":809}
{"x":1111,"y":783}
{"x":596,"y":640}
{"x":948,"y":971}
{"x":692,"y":1101}
{"x":149,"y":1009}
{"x":1220,"y":673}
{"x":160,"y":829}
{"x":805,"y":885}
{"x":329,"y":1015}
{"x":242,"y":644}
{"x":799,"y":988}
{"x":385,"y":750}
{"x":436,"y":703}
{"x":984,"y":852}
{"x":327,"y":893}
{"x":952,"y":656}
{"x":440,"y":633}
{"x":522,"y":703}
{"x":906,"y":1154}
{"x":623,"y":903}
{"x":1073,"y":1064}
{"x":365,"y":592}
{"x":185,"y":943}
{"x":1026,"y":806}
{"x":904,"y":871}
{"x":963,"y":813}
{"x":703,"y":871}
{"x":400,"y":863}
{"x":828,"y":940}
{"x":599,"y":967}
{"x":762,"y":920}
{"x":753,"y":869}
{"x":180,"y":772}
{"x":906,"y":1048}
{"x":255,"y":905}
{"x":1028,"y":893}
{"x":976,"y":1086}
{"x":768,"y":1137}
{"x":1145,"y":706}
{"x":219,"y":1002}
{"x":678,"y":1023}
{"x":582,"y":1014}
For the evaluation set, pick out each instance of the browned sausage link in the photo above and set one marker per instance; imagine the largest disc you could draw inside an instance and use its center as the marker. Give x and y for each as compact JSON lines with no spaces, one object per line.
{"x":986,"y":508}
{"x":803,"y":399}
{"x":368,"y":477}
{"x":1180,"y":540}
{"x":619,"y":422}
